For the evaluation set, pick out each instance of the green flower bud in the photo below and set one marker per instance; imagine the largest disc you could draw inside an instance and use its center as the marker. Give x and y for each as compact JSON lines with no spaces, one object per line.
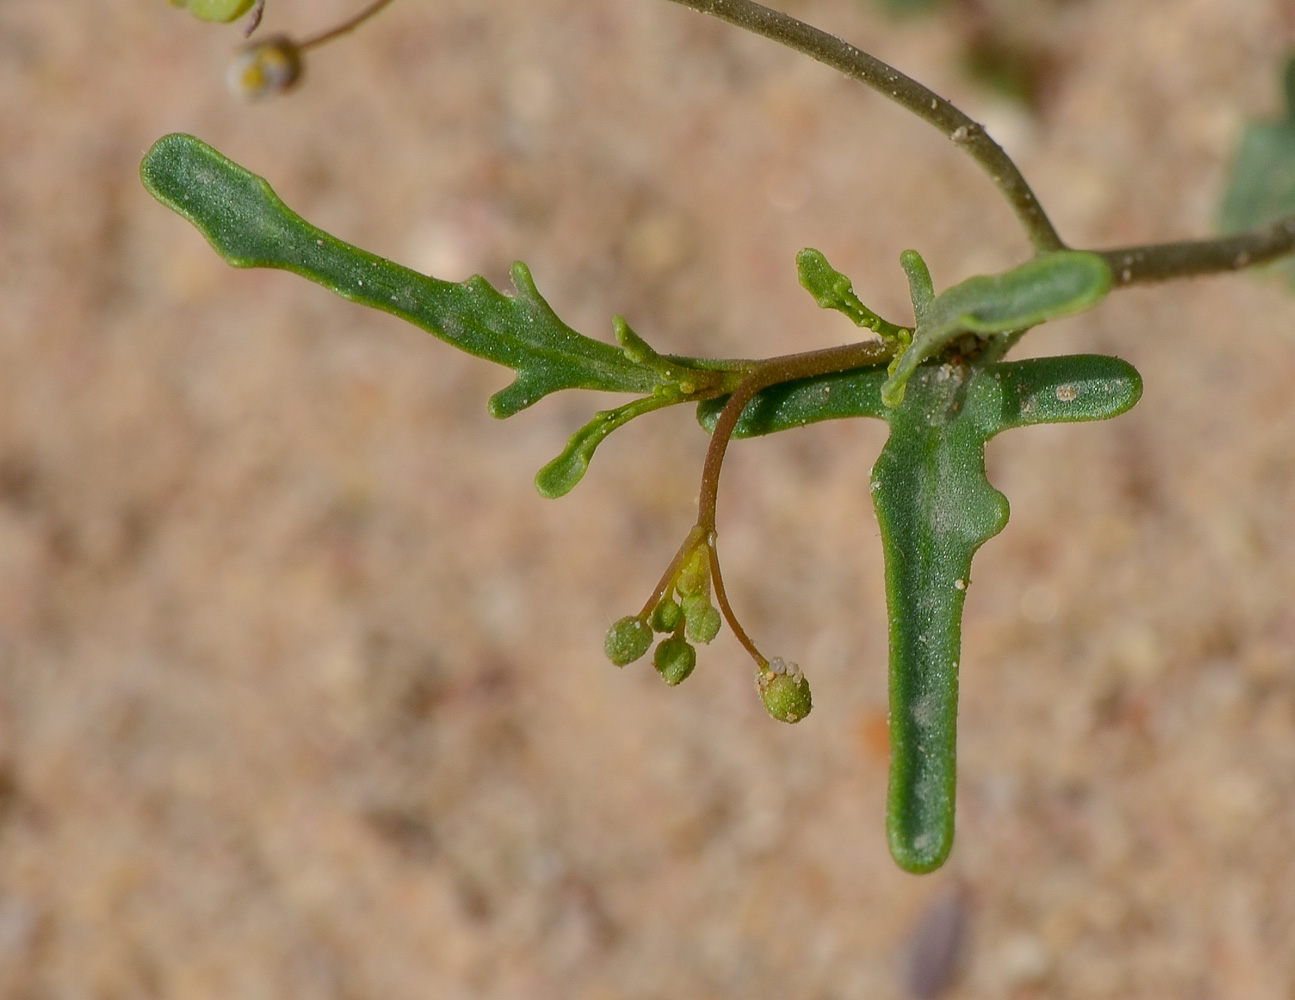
{"x":627,"y":640}
{"x":703,"y":619}
{"x":694,"y":573}
{"x":674,"y":659}
{"x":666,"y":616}
{"x":784,"y":691}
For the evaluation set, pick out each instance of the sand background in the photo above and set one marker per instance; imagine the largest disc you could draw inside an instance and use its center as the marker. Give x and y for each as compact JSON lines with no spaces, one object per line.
{"x":301,"y":684}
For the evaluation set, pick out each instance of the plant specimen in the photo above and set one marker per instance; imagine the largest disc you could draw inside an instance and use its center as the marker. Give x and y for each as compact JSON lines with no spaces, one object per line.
{"x":939,"y":380}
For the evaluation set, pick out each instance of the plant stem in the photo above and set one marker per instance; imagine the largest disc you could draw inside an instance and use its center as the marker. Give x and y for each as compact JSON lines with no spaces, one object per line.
{"x":350,"y":24}
{"x":903,"y":90}
{"x":1165,"y":261}
{"x":1129,"y":265}
{"x":763,"y":374}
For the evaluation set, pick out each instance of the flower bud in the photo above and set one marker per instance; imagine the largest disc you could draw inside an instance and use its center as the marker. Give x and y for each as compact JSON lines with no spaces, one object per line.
{"x":627,"y":640}
{"x":694,"y":573}
{"x":674,"y":660}
{"x":264,"y":69}
{"x":666,"y":616}
{"x":703,"y":619}
{"x":784,"y":691}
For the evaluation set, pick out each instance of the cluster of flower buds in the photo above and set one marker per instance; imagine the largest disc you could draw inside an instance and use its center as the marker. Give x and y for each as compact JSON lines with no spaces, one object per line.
{"x":682,"y":612}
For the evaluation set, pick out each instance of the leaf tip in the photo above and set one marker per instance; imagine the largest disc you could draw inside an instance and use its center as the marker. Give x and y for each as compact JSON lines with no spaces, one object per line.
{"x":560,"y":476}
{"x":634,"y":347}
{"x":922,"y":853}
{"x":512,"y":399}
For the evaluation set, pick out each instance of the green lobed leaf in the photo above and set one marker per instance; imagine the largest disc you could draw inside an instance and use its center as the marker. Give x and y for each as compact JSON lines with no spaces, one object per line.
{"x":249,"y":226}
{"x":1049,"y":286}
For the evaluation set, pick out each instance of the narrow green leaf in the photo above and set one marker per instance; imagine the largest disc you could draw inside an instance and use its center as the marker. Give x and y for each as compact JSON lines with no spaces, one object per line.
{"x":249,"y":226}
{"x":562,"y":474}
{"x":921,"y":289}
{"x":1047,"y":287}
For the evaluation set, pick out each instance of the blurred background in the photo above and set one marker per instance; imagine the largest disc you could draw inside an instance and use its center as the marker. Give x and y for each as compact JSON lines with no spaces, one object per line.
{"x":302,"y":691}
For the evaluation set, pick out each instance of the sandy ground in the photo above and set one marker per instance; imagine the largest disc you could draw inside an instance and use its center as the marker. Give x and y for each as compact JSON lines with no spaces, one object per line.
{"x":301,"y":684}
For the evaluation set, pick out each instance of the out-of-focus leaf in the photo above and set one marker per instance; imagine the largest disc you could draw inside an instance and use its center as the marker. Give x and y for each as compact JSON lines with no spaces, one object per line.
{"x":216,"y":10}
{"x":1261,"y":188}
{"x":909,"y":6}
